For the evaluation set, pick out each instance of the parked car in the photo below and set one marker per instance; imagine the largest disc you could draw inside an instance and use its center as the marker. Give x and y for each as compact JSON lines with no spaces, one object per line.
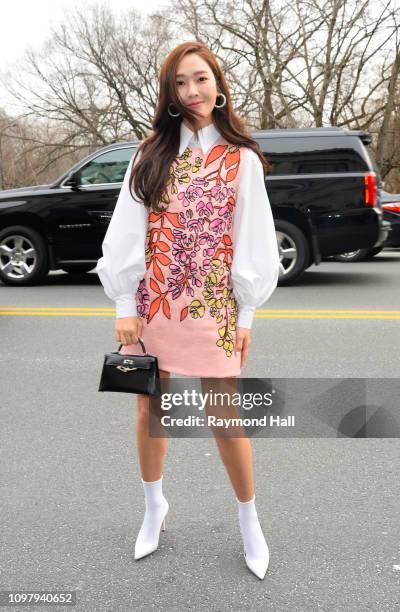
{"x":322,"y":189}
{"x":390,"y":203}
{"x":391,"y":212}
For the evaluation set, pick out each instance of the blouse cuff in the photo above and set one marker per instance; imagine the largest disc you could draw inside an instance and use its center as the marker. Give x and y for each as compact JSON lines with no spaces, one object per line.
{"x":125,"y":306}
{"x":245,"y":317}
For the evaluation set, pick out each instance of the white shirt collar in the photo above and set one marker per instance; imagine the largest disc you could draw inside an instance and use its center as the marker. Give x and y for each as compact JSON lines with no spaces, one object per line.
{"x":207,"y":136}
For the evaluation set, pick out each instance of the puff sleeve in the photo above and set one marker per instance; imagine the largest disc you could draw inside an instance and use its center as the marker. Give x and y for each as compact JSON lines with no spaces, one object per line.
{"x":255,"y":265}
{"x":123,"y":264}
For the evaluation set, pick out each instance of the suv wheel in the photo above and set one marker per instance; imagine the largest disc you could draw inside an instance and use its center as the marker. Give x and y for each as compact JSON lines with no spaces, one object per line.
{"x":23,"y":256}
{"x":294,"y":251}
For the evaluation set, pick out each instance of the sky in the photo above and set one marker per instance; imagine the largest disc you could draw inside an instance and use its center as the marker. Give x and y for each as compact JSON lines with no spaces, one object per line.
{"x":28,"y":22}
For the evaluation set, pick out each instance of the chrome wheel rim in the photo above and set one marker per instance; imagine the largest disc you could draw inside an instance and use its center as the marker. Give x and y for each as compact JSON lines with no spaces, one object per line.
{"x":288,"y":254}
{"x":18,"y":256}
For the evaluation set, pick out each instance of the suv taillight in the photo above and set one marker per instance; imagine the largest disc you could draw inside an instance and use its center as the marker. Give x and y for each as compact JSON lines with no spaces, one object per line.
{"x":370,"y":189}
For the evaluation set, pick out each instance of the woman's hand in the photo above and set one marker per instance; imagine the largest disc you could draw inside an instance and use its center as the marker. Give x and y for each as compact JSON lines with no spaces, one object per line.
{"x":128,"y":329}
{"x":242,"y":344}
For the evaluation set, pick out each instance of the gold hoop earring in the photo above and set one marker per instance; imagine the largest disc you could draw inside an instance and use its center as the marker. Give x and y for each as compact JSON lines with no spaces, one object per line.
{"x":172,"y":114}
{"x":223,"y":103}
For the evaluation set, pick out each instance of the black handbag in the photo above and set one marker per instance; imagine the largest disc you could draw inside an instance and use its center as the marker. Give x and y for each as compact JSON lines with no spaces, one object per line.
{"x":130,"y":373}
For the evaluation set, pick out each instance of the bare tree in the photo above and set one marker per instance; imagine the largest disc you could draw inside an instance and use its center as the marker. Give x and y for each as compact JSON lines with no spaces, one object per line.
{"x":289,"y":63}
{"x":305,"y":62}
{"x":95,"y":80}
{"x":387,"y":153}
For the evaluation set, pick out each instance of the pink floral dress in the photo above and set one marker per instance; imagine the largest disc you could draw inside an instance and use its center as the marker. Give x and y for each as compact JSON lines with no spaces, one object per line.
{"x":186,"y":296}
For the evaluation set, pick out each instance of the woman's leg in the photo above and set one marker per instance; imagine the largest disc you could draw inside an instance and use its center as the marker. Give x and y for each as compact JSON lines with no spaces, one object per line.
{"x":236,"y":452}
{"x":237,"y":456}
{"x":151,"y":450}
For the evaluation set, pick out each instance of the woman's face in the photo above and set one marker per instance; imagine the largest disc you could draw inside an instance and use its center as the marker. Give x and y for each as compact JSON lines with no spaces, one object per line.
{"x":195,"y":82}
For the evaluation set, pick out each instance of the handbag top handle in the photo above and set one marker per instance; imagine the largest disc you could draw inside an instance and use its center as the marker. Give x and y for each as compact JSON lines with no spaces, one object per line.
{"x":141,"y":343}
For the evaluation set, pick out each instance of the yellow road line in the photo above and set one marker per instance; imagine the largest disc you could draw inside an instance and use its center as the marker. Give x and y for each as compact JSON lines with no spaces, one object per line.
{"x":332,"y":316}
{"x":261,"y":313}
{"x":55,"y":314}
{"x":375,"y":310}
{"x":54,"y":308}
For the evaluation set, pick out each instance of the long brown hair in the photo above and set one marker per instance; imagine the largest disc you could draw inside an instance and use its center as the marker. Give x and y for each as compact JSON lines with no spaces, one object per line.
{"x":158,"y":150}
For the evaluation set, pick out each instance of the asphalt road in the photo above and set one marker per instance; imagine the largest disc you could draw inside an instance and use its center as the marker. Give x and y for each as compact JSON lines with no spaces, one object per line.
{"x":71,"y":499}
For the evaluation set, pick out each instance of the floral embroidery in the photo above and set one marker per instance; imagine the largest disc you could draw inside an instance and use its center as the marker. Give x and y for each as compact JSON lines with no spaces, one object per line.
{"x":222,"y":304}
{"x":143,"y":299}
{"x":189,"y":252}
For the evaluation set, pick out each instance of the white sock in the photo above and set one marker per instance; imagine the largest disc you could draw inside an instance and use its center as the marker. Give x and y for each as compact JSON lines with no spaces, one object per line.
{"x":153,"y":492}
{"x":156,"y":505}
{"x":250,"y":528}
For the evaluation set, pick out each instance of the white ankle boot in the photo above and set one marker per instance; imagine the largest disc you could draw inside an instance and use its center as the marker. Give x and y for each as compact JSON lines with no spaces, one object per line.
{"x":154,"y":519}
{"x":256,"y":552}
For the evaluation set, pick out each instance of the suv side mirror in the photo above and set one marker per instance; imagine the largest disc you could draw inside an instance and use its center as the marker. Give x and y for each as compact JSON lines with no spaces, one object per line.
{"x":73,"y":179}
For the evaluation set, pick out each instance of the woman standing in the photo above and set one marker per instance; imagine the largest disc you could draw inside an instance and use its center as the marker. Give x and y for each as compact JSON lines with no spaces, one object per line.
{"x":189,"y":253}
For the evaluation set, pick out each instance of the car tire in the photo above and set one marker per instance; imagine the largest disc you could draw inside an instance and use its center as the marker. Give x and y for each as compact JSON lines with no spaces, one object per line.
{"x":24,"y":259}
{"x":294,"y":251}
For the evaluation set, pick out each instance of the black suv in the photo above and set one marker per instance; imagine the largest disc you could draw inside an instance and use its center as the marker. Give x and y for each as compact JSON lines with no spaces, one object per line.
{"x":322,"y":188}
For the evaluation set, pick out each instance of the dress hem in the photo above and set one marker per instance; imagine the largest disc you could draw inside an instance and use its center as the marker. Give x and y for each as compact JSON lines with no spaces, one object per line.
{"x":197,"y":375}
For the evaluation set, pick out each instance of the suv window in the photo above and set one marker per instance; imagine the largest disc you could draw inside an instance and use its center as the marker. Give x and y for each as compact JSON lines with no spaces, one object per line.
{"x":107,"y":167}
{"x":295,"y":156}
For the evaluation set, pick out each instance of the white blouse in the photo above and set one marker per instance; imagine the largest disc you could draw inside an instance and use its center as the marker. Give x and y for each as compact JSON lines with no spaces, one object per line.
{"x":255,"y":264}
